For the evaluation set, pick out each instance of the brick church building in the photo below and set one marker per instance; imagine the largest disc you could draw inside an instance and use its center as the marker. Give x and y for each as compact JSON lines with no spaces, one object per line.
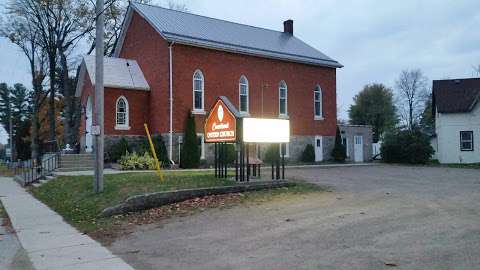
{"x":168,"y":63}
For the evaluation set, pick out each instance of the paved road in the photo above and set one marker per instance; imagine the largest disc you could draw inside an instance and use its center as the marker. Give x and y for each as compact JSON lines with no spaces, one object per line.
{"x":378,"y":217}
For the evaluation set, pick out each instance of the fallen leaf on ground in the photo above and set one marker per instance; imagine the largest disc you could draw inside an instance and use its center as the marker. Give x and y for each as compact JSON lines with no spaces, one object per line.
{"x":391,"y":264}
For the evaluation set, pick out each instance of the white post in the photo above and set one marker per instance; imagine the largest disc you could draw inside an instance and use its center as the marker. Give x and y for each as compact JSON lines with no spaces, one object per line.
{"x":98,"y":129}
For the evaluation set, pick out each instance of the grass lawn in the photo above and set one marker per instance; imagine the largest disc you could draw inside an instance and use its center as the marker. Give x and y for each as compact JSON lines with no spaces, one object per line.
{"x":3,"y":214}
{"x":465,"y":166}
{"x":456,"y":165}
{"x":5,"y":171}
{"x":73,"y":197}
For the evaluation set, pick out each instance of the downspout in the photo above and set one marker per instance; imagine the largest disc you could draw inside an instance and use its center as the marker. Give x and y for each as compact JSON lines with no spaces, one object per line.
{"x":170,"y":99}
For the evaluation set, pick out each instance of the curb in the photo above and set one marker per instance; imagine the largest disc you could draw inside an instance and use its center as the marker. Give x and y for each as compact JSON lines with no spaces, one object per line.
{"x":156,"y":199}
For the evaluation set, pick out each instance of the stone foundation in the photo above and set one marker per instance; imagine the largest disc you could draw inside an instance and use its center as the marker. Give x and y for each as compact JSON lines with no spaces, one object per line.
{"x":296,"y":146}
{"x":134,"y":142}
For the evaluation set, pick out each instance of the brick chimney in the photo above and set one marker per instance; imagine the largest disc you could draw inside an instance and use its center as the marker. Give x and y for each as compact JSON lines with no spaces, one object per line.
{"x":288,"y":26}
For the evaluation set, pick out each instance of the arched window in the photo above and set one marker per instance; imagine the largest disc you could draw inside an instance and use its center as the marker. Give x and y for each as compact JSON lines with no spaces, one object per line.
{"x":283,"y":99}
{"x":198,"y":91}
{"x":243,"y":94}
{"x":122,"y":113}
{"x":318,"y":102}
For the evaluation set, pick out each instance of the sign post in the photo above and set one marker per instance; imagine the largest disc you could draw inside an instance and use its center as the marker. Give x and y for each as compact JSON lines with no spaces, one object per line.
{"x":221,"y":128}
{"x":224,"y":124}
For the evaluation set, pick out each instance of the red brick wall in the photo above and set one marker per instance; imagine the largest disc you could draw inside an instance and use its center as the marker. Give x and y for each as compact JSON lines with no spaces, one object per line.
{"x":144,"y":44}
{"x":222,"y":72}
{"x":138,"y":109}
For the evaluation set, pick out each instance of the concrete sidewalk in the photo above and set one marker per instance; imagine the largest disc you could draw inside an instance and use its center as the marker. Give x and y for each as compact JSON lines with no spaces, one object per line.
{"x":49,"y":241}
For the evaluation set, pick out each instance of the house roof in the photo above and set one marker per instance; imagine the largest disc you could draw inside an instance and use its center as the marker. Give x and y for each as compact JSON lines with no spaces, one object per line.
{"x":455,"y":96}
{"x":118,"y":73}
{"x":201,"y":31}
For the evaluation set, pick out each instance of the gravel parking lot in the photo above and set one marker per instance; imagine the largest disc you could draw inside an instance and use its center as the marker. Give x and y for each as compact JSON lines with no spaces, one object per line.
{"x":376,"y":217}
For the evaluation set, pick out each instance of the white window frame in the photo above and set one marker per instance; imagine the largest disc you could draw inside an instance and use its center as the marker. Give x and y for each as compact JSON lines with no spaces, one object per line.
{"x":282,"y":85}
{"x":201,"y":136}
{"x":470,"y":141}
{"x":246,"y":84}
{"x":287,"y":150}
{"x":126,"y":125}
{"x":318,"y":90}
{"x":198,"y":110}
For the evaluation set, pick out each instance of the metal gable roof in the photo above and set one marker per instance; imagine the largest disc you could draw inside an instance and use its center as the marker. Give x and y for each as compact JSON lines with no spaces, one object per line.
{"x":118,"y":73}
{"x":196,"y":30}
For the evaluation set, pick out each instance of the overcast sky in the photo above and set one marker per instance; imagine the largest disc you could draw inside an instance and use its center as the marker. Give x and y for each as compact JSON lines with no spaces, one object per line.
{"x":374,"y":40}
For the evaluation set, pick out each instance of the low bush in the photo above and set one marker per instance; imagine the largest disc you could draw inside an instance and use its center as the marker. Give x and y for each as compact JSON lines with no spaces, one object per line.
{"x":231,"y":153}
{"x":134,"y":161}
{"x":118,"y":150}
{"x":160,"y":149}
{"x":406,"y":146}
{"x":272,"y":153}
{"x":308,"y":154}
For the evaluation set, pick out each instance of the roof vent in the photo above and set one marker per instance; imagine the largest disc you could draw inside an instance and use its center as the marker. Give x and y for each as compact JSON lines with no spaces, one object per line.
{"x":288,"y":26}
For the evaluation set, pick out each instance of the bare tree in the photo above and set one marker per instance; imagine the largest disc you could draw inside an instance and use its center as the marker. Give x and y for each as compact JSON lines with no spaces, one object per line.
{"x":115,"y":11}
{"x":60,"y":25}
{"x":41,"y":15}
{"x":177,"y":6}
{"x":23,"y":34}
{"x":411,"y":93}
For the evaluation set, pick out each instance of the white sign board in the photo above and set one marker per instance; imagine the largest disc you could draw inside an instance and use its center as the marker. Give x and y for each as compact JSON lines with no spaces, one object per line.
{"x":263,"y":130}
{"x":96,"y":130}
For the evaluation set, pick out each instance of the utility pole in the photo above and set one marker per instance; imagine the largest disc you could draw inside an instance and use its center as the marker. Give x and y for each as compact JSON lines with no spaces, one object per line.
{"x":10,"y":133}
{"x":98,"y":128}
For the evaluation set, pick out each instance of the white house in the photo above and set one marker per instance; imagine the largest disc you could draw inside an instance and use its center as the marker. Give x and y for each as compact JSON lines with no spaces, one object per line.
{"x":456,"y":108}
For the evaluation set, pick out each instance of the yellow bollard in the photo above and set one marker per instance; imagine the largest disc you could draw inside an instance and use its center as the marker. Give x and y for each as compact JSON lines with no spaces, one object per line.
{"x":152,"y":148}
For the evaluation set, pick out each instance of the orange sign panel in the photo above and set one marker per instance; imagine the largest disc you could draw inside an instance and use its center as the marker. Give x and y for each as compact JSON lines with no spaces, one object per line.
{"x":220,"y":125}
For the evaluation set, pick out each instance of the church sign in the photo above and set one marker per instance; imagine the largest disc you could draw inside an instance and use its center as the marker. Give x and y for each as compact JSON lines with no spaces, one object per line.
{"x":221,"y":123}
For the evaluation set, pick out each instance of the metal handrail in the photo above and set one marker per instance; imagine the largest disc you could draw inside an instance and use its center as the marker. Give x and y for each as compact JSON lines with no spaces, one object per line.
{"x":30,"y":171}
